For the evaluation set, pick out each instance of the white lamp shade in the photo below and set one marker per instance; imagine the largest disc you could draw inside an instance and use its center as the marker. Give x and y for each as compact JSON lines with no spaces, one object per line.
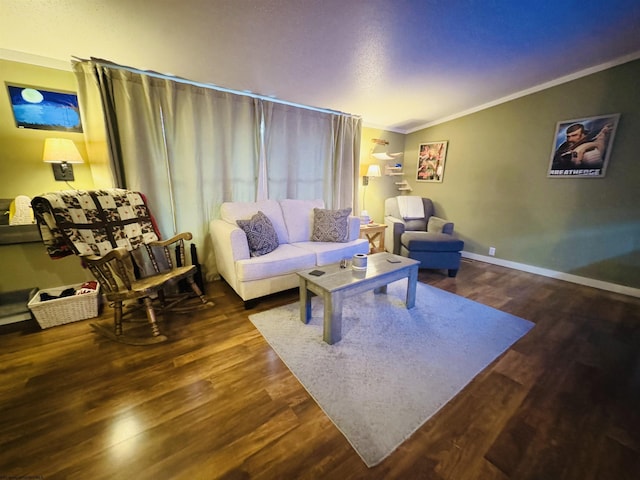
{"x":58,"y":150}
{"x":374,"y":171}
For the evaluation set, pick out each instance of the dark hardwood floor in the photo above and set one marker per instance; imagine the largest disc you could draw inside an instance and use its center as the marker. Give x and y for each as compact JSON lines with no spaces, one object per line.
{"x":216,"y":401}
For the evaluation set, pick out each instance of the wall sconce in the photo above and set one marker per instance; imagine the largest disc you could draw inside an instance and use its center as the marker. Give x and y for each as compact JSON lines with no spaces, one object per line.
{"x":61,"y":153}
{"x":372,"y":171}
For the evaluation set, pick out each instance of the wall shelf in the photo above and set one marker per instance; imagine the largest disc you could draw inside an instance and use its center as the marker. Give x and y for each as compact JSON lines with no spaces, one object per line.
{"x":404,"y":186}
{"x":389,"y":170}
{"x":12,"y":234}
{"x":13,"y":306}
{"x":395,"y":171}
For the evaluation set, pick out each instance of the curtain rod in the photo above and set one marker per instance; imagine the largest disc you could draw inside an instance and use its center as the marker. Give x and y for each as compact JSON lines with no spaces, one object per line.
{"x":151,"y":73}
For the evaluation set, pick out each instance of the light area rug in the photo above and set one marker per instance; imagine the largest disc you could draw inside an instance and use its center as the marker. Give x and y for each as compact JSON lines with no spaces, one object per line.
{"x":394,"y":368}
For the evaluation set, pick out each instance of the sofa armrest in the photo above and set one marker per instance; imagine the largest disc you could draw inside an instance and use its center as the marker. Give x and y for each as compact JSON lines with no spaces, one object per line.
{"x":230,"y":240}
{"x":229,"y":245}
{"x":439,"y":225}
{"x":354,"y":228}
{"x":395,"y":228}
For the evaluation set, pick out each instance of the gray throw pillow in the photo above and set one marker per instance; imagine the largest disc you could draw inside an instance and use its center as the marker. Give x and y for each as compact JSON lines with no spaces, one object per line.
{"x":261,"y":235}
{"x":330,"y":225}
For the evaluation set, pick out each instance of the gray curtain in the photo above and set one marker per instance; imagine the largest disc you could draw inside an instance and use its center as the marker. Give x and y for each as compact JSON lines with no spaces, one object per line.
{"x":311,"y":154}
{"x":346,"y":132}
{"x":189,"y":148}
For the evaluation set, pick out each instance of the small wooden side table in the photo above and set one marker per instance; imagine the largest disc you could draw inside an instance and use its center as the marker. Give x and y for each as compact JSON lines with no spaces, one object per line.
{"x":374,"y":233}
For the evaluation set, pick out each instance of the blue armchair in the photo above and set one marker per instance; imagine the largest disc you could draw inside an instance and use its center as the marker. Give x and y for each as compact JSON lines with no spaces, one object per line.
{"x":414,"y":231}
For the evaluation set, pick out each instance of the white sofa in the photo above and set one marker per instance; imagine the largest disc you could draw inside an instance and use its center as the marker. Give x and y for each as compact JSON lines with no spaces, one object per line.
{"x":254,"y":277}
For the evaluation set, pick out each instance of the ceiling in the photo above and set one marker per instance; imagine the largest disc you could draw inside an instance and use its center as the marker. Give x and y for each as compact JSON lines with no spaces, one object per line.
{"x":400,"y":64}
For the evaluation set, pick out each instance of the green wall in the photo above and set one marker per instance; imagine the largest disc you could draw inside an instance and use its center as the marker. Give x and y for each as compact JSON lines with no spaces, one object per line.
{"x":383,"y":187}
{"x":496,"y":190}
{"x":22,"y":172}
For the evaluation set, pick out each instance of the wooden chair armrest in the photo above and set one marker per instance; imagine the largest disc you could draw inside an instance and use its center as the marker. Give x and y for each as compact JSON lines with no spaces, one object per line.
{"x":176,"y":238}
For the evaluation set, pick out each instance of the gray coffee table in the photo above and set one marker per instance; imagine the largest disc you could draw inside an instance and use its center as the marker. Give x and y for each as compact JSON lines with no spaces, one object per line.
{"x":337,"y":283}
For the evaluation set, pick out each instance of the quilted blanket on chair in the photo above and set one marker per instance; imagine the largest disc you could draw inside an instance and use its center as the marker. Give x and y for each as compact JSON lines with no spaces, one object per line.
{"x":93,"y":222}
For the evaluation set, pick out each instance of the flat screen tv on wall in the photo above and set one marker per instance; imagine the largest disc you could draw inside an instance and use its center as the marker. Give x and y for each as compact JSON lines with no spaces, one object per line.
{"x":44,"y":109}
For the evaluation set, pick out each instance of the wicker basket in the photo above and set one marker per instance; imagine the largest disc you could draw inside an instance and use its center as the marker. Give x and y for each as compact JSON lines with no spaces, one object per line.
{"x":59,"y":311}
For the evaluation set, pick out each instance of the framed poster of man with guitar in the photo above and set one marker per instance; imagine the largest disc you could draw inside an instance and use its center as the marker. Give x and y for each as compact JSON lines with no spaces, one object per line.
{"x":582,"y":147}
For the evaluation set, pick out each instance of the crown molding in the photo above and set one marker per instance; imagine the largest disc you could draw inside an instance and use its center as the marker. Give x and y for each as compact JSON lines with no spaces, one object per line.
{"x":38,"y":60}
{"x":543,"y":86}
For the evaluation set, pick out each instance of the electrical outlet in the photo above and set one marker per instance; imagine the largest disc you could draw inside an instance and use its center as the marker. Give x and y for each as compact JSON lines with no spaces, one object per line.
{"x":492,"y":251}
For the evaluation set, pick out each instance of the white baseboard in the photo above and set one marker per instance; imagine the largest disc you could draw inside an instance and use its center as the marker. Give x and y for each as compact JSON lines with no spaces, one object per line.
{"x":589,"y":282}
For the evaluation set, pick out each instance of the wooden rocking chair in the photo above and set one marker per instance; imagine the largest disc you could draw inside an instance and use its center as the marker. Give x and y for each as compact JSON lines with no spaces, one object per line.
{"x":114,"y":233}
{"x":117,"y":276}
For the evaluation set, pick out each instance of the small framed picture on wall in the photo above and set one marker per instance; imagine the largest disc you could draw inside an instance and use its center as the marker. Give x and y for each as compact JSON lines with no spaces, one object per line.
{"x":431,"y":161}
{"x":582,"y":147}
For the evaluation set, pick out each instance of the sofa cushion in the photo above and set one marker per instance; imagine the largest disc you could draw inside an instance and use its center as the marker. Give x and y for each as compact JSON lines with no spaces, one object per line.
{"x":430,"y":242}
{"x":332,"y":252}
{"x":283,"y":260}
{"x":416,"y":224}
{"x":261,"y":236}
{"x":234,"y":211}
{"x":298,"y":216}
{"x":330,"y":225}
